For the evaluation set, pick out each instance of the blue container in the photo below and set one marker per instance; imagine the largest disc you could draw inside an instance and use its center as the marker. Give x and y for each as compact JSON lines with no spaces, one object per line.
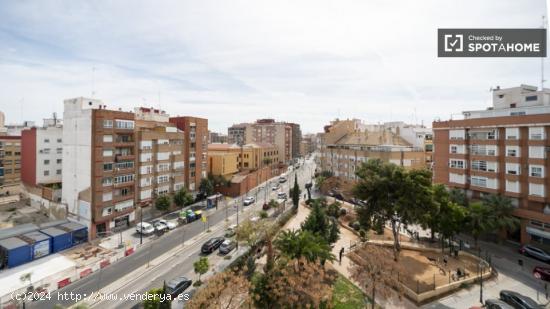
{"x":14,"y":252}
{"x":40,"y":244}
{"x":18,"y":230}
{"x":60,"y":240}
{"x":79,"y":232}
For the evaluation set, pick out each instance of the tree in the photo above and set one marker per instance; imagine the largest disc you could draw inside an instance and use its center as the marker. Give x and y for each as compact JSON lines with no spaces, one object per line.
{"x":501,"y":213}
{"x":432,"y":217}
{"x":206,"y":187}
{"x":183,"y":198}
{"x":225,"y":290}
{"x":334,"y":231}
{"x":318,"y":223}
{"x":295,"y":192}
{"x":295,"y":283}
{"x":478,"y":220}
{"x":251,"y":232}
{"x":162,"y":202}
{"x":333,"y":210}
{"x":451,"y":221}
{"x":393,"y":195}
{"x":295,"y":244}
{"x":201,"y":267}
{"x":375,"y":270}
{"x":458,"y":196}
{"x":158,"y":301}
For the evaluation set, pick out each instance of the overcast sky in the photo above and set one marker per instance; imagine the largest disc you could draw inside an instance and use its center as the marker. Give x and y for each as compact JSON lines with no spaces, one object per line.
{"x":234,"y":61}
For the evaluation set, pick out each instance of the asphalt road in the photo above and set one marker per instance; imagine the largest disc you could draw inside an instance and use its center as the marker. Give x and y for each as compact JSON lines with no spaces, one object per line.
{"x":154,"y":249}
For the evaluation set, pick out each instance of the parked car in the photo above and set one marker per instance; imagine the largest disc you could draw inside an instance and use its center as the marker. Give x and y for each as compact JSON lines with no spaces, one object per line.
{"x":249,"y":200}
{"x":518,"y":301}
{"x":281,"y":195}
{"x":227,"y":246}
{"x":282,"y":179}
{"x":177,"y":285}
{"x":275,"y":187}
{"x":541,"y":273}
{"x":212,"y":244}
{"x":169,"y":224}
{"x":145,"y":228}
{"x":496,"y":304}
{"x":159,"y":226}
{"x":231,"y":230}
{"x":535,"y":252}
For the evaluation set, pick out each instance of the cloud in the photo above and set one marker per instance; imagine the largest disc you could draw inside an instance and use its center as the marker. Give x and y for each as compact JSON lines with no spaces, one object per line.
{"x":300,"y":61}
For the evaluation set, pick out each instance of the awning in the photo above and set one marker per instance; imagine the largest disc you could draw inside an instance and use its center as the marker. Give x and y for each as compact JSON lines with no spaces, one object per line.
{"x":537,"y":232}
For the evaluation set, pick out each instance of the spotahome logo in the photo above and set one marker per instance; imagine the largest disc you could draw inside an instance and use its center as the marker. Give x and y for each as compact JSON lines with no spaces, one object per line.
{"x":491,"y":42}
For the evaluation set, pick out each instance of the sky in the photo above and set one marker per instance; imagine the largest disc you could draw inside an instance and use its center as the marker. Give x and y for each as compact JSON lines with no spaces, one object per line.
{"x":235,"y":61}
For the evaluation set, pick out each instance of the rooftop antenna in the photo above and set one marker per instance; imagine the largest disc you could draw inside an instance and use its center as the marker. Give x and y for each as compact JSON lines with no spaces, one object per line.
{"x":542,"y":80}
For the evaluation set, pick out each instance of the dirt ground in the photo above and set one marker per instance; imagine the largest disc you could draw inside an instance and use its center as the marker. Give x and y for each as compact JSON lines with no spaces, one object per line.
{"x":20,"y":212}
{"x":424,"y":267}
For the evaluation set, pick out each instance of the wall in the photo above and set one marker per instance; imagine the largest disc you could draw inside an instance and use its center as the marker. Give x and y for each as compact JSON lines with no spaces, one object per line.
{"x":53,"y":134}
{"x":28,"y":156}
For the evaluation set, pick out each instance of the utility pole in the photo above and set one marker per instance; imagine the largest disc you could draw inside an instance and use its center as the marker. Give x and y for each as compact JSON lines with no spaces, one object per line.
{"x":141,"y":227}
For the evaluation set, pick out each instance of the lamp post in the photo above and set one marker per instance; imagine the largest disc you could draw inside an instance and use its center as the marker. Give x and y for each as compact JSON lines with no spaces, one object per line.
{"x":141,"y":225}
{"x":482,"y":265}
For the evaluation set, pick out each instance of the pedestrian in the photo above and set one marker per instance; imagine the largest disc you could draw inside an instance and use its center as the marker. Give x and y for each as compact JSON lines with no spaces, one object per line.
{"x":341,"y":253}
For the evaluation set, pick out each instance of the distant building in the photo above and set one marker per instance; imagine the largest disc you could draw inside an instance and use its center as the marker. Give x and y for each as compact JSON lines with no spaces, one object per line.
{"x":195,"y":148}
{"x":42,"y":154}
{"x":296,"y":139}
{"x":502,"y":150}
{"x":345,"y":144}
{"x":10,"y":165}
{"x":214,"y":137}
{"x":251,"y":156}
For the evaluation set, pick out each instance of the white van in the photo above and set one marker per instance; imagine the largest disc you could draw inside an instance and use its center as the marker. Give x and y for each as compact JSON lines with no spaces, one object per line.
{"x":145,"y":228}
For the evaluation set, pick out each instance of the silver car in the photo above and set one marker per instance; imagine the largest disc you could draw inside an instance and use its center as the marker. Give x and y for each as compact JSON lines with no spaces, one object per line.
{"x":535,"y":252}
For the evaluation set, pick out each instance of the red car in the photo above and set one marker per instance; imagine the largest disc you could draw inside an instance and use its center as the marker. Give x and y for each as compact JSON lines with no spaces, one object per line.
{"x":542,"y":273}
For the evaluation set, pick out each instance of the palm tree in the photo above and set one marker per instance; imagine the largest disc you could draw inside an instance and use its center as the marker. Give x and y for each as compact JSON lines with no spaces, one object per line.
{"x":478,"y":220}
{"x":458,"y":196}
{"x":501,"y":211}
{"x":295,"y":244}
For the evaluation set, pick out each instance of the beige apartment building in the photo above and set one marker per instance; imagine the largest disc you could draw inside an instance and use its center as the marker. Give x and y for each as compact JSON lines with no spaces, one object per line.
{"x":502,"y":150}
{"x":345,"y":144}
{"x":251,"y":156}
{"x":160,"y":157}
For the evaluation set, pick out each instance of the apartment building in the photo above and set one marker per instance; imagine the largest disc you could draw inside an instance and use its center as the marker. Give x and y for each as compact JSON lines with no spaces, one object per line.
{"x":10,"y":165}
{"x":223,"y":159}
{"x":347,"y":143}
{"x":195,"y":149}
{"x":251,"y":156}
{"x":296,"y":140}
{"x":98,"y":166}
{"x":214,"y":137}
{"x":502,"y":150}
{"x":42,"y":154}
{"x":239,"y":133}
{"x":160,"y":157}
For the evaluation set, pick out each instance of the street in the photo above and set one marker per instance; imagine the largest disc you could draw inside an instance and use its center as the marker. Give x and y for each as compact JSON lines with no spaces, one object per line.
{"x":157,"y":247}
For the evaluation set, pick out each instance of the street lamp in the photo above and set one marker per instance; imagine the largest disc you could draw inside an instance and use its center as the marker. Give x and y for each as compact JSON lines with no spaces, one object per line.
{"x":481,"y":266}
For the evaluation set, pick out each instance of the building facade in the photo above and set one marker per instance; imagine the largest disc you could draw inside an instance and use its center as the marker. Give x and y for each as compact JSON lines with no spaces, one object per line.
{"x":195,"y":148}
{"x":42,"y":155}
{"x":348,"y":143}
{"x":10,"y":165}
{"x":502,"y":150}
{"x":296,"y":140}
{"x":160,"y":158}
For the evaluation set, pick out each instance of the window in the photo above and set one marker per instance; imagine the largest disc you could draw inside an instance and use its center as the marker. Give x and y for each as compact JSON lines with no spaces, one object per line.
{"x":108,"y":196}
{"x":107,"y":211}
{"x":46,"y":162}
{"x":457,"y":163}
{"x":107,"y":138}
{"x":457,"y":178}
{"x":537,"y":152}
{"x":163,"y":167}
{"x":46,"y":173}
{"x":536,"y":170}
{"x":536,"y":189}
{"x":146,"y":145}
{"x":124,"y":124}
{"x":59,"y":161}
{"x":124,"y":178}
{"x":124,"y":164}
{"x":512,"y":186}
{"x":107,"y":181}
{"x":145,"y":157}
{"x":512,"y":151}
{"x":107,"y":152}
{"x":512,"y":168}
{"x":454,"y":149}
{"x":58,"y":172}
{"x":162,"y":179}
{"x":512,"y":133}
{"x":536,"y":133}
{"x":59,"y":140}
{"x":531,"y":98}
{"x":59,"y":150}
{"x":107,"y":123}
{"x":479,"y":181}
{"x":46,"y":140}
{"x":107,"y":166}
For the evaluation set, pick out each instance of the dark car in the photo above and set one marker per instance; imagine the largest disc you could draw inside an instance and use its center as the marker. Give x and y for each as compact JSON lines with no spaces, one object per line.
{"x":518,"y":301}
{"x":212,"y":244}
{"x":496,"y":304}
{"x":541,"y":273}
{"x":227,"y":246}
{"x":177,"y":285}
{"x":535,"y":252}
